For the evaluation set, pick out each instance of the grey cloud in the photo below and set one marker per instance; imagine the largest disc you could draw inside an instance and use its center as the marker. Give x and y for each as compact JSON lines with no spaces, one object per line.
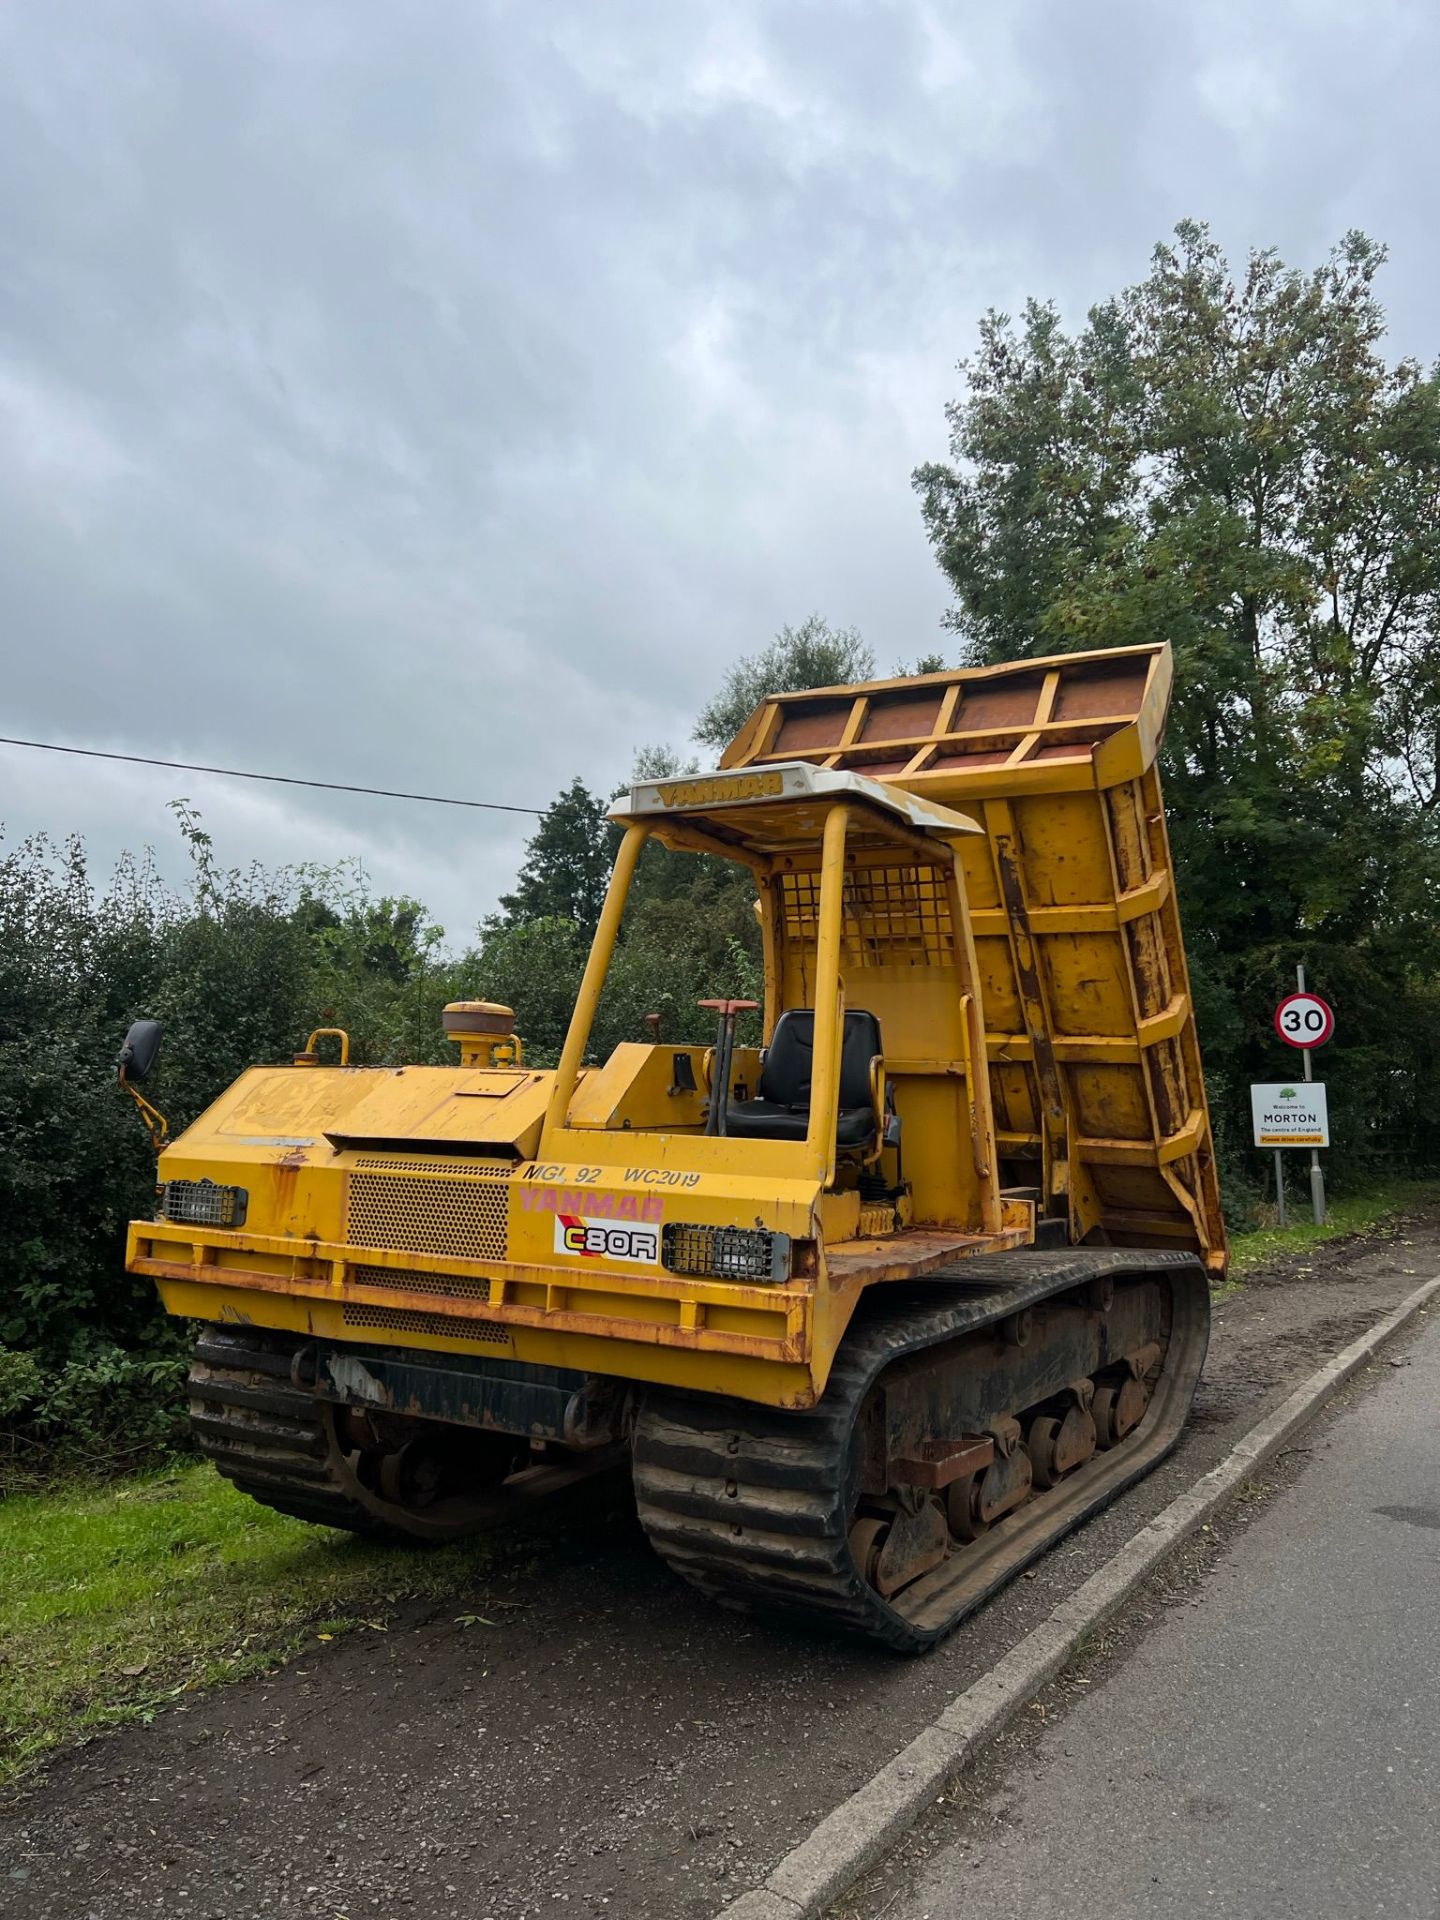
{"x":443,"y":396}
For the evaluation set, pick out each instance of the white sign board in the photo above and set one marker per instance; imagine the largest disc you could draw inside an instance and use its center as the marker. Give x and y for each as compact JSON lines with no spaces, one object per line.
{"x":1290,"y":1113}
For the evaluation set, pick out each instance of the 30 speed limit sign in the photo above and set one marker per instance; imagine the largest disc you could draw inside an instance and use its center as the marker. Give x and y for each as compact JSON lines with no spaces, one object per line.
{"x":1304,"y":1020}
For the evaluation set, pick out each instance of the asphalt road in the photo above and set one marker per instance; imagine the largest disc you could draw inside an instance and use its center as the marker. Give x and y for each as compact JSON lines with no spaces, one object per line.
{"x":1272,"y":1748}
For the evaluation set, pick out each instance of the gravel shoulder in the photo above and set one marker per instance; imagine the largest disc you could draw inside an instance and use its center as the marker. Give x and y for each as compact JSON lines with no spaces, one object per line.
{"x":597,"y":1737}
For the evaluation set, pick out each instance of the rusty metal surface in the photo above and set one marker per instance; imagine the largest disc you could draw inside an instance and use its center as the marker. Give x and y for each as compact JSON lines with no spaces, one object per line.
{"x":942,"y":1461}
{"x":915,"y":1540}
{"x":1010,"y":727}
{"x":562,"y":1306}
{"x":1039,"y":1020}
{"x":507,"y":1396}
{"x":276,"y":1439}
{"x":1065,"y":1341}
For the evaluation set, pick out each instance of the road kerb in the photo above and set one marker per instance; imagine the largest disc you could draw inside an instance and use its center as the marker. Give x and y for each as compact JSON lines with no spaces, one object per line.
{"x":864,"y":1827}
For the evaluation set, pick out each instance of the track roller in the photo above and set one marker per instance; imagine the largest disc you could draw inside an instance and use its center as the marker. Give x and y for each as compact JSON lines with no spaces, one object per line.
{"x":1118,"y":1410}
{"x":975,"y":1503}
{"x":1058,"y":1442}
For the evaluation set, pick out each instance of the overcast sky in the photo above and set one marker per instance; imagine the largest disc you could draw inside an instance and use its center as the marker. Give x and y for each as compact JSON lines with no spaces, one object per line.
{"x":440,"y":396}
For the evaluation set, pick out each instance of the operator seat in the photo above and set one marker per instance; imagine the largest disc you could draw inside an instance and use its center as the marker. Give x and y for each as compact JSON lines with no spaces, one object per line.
{"x":781,"y":1110}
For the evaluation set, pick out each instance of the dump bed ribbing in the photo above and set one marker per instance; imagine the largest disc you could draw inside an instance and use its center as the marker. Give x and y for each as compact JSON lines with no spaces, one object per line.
{"x":1094,"y":1063}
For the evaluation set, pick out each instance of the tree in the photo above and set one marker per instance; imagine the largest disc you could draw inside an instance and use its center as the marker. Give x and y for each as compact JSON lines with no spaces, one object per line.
{"x":814,"y":654}
{"x":1231,"y":463}
{"x":239,"y":967}
{"x":660,"y":763}
{"x":567,"y":864}
{"x":533,"y":966}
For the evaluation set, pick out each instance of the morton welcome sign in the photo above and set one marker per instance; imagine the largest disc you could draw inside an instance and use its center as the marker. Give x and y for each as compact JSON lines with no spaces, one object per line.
{"x":1290,"y":1114}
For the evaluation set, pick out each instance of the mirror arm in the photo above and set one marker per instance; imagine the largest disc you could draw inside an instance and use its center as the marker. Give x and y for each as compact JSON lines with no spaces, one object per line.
{"x":156,"y":1125}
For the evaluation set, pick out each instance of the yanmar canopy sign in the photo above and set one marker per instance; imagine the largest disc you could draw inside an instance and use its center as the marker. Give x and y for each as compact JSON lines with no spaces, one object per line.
{"x":1290,"y":1113}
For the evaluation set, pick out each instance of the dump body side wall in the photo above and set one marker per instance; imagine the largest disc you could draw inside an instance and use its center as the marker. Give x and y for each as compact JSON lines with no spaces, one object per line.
{"x":1094,"y":1061}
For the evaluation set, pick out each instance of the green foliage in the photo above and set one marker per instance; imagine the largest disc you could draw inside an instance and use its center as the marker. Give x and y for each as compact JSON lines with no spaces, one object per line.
{"x":535,"y":967}
{"x":22,"y":1382}
{"x":239,"y":967}
{"x":662,"y":763}
{"x":378,"y":968}
{"x":100,"y":1403}
{"x":567,"y":864}
{"x":814,"y":654}
{"x":689,"y":933}
{"x":1230,"y":463}
{"x":1377,"y":1209}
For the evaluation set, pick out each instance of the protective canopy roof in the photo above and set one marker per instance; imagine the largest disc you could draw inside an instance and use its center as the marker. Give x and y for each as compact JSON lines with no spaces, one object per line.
{"x":783,"y":806}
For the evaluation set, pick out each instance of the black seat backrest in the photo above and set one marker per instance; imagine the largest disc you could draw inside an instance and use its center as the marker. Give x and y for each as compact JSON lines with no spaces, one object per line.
{"x":789,"y":1062}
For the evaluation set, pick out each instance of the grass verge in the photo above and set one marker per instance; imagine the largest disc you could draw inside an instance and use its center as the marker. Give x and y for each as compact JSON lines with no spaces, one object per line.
{"x":116,"y":1600}
{"x":1377,"y":1207}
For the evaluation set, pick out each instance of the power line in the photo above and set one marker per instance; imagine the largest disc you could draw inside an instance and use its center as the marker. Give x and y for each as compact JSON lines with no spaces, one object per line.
{"x":277,"y":779}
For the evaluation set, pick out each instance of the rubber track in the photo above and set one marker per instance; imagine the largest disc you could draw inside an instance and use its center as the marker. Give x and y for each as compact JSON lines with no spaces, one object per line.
{"x":752,"y":1504}
{"x":270,"y":1437}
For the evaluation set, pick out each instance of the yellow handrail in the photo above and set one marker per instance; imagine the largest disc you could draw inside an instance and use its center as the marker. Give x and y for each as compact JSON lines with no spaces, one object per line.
{"x":601,"y":948}
{"x":829,"y":996}
{"x":311,"y":1058}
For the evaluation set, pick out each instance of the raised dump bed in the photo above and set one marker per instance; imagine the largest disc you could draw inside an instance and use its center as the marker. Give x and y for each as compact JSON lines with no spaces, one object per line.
{"x":1094,"y":1065}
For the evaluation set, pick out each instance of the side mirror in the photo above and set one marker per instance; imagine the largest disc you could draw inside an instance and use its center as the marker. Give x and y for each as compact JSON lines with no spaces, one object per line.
{"x":142,"y":1044}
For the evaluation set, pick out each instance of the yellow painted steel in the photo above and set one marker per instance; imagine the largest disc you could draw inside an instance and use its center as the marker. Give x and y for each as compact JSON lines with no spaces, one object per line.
{"x":485,"y":1033}
{"x":972,"y":1041}
{"x":1094,"y":1064}
{"x":978,"y":859}
{"x":593,"y":979}
{"x":311,"y":1055}
{"x":770,"y":1381}
{"x":829,"y":1001}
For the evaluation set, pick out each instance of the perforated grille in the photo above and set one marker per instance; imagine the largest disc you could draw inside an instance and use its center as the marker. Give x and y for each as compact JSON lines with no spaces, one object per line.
{"x":892,"y":916}
{"x":387,"y":1163}
{"x":407,"y":1320}
{"x":453,"y":1286}
{"x":465,"y":1217}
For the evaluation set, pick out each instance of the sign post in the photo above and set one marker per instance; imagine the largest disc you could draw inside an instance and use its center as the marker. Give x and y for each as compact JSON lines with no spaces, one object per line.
{"x":1317,"y":1174}
{"x":1283,"y":1117}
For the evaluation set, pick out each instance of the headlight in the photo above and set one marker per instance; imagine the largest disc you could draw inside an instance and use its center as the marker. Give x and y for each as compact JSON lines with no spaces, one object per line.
{"x":725,"y":1253}
{"x":202,"y":1203}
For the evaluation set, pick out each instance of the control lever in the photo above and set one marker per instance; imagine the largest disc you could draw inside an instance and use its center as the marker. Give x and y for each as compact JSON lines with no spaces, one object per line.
{"x":729,"y":1011}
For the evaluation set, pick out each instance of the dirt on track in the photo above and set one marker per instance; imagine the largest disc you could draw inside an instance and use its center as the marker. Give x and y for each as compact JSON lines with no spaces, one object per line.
{"x":609,"y":1743}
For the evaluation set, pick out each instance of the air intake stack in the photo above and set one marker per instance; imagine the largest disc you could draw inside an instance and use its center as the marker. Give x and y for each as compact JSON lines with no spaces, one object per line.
{"x":484,"y":1032}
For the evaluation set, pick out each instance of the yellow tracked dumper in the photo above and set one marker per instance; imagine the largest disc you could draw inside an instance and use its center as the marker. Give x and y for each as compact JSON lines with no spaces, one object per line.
{"x":877,"y":1311}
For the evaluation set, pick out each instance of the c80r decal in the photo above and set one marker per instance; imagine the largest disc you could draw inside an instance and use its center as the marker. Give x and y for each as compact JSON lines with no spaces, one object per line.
{"x":606,"y":1239}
